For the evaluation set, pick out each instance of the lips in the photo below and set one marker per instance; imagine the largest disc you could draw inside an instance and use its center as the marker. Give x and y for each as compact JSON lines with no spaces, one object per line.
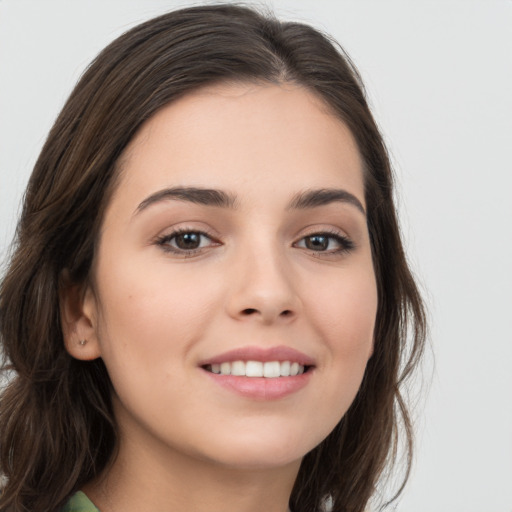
{"x":260,"y":373}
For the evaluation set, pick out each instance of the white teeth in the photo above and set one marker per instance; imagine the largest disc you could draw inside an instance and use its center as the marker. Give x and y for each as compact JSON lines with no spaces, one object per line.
{"x":269,"y":369}
{"x":237,"y":368}
{"x":225,"y":368}
{"x":285,"y":368}
{"x":254,"y":369}
{"x":294,"y":369}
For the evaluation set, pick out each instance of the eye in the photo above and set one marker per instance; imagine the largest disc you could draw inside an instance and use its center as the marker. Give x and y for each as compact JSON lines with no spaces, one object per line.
{"x":186,"y":242}
{"x":331,"y":243}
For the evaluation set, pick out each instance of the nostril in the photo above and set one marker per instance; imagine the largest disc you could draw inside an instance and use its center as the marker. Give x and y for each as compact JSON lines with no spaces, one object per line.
{"x":266,"y":315}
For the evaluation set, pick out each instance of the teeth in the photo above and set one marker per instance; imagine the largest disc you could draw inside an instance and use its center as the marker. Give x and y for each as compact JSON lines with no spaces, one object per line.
{"x":238,"y":368}
{"x":253,"y":369}
{"x":269,"y":369}
{"x":285,"y":368}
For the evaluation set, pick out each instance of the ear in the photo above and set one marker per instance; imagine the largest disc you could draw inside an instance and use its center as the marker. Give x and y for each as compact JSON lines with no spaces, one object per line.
{"x":78,"y":317}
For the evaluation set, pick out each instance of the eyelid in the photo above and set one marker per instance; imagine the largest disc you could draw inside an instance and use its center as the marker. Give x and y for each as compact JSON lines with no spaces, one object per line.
{"x":163,"y":241}
{"x":345,"y":242}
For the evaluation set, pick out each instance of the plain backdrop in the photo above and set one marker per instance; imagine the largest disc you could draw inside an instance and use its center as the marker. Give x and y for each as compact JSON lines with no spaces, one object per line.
{"x":439,"y":79}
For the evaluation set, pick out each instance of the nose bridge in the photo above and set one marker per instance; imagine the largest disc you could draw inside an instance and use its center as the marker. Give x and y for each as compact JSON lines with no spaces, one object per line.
{"x":264,"y":287}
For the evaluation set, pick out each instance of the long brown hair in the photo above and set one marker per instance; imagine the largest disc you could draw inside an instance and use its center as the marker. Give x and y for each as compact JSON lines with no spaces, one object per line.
{"x":57,"y":428}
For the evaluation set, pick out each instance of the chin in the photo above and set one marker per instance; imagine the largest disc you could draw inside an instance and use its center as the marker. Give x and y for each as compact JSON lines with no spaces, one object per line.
{"x":254,"y":460}
{"x":255,"y":450}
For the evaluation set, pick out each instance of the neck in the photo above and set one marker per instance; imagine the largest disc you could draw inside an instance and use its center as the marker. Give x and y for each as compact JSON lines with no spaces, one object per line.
{"x":167,"y":480}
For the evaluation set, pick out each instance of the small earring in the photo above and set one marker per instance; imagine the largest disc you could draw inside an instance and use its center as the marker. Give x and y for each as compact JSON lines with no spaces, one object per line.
{"x":82,"y":342}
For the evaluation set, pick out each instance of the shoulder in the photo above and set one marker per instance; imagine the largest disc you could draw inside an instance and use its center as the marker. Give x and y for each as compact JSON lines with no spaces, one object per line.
{"x":79,"y":502}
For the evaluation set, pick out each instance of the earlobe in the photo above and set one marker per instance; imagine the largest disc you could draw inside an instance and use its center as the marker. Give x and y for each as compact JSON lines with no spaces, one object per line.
{"x":78,"y":314}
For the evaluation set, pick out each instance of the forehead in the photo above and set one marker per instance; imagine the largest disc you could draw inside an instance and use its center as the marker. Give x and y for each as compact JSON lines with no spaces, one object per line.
{"x":241,"y":136}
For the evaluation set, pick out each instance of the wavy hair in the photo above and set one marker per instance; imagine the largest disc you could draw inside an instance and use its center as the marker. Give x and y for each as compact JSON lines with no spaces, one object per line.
{"x":57,"y":428}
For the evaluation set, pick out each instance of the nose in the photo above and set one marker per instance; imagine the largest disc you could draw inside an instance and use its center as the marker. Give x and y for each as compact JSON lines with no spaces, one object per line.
{"x":263,"y":289}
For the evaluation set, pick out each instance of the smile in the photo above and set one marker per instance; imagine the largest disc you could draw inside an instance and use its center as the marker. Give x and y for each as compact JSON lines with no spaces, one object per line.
{"x":268,"y":369}
{"x":261,"y":374}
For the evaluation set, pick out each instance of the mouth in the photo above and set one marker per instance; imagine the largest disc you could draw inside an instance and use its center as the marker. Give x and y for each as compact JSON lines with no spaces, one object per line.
{"x":260,"y":374}
{"x":267,"y":369}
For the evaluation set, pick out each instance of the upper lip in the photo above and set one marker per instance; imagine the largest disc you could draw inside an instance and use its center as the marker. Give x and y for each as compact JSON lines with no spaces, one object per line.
{"x":254,"y":353}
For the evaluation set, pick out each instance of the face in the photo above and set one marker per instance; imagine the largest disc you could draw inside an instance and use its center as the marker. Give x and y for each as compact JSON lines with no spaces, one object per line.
{"x":235,"y":242}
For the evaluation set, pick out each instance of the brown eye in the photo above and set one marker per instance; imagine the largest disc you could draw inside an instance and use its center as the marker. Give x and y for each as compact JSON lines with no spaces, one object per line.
{"x":331,"y":243}
{"x":317,"y":242}
{"x":187,"y":241}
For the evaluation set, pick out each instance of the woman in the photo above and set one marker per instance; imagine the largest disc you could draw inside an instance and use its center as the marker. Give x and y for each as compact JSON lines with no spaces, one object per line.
{"x":208,"y":303}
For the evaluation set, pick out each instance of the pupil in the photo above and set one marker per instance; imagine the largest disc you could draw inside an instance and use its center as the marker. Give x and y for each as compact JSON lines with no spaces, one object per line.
{"x":317,"y":242}
{"x":188,"y":240}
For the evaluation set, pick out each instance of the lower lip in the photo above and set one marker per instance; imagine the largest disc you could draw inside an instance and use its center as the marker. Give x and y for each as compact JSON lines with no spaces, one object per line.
{"x":262,"y":388}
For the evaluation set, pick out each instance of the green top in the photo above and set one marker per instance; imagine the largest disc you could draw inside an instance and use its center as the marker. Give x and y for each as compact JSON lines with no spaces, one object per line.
{"x":79,"y":502}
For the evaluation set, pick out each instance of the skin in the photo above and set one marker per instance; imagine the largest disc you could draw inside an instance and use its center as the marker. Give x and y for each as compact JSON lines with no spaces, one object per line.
{"x":153,"y":312}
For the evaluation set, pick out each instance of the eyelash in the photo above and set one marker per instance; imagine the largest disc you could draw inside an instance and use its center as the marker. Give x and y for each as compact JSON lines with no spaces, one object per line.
{"x":164,"y":241}
{"x":345,"y":244}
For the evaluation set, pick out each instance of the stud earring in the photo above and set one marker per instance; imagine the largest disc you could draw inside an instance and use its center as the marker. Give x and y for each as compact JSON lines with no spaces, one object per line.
{"x":82,"y":342}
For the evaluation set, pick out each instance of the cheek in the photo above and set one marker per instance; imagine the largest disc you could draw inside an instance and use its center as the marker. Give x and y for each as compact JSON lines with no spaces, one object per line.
{"x":344,"y":317}
{"x":345,"y":311}
{"x":150,"y":311}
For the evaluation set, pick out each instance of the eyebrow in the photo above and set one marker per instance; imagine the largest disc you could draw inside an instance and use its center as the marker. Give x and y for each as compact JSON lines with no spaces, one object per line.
{"x":202,"y":196}
{"x":218,"y":198}
{"x":324,"y":196}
